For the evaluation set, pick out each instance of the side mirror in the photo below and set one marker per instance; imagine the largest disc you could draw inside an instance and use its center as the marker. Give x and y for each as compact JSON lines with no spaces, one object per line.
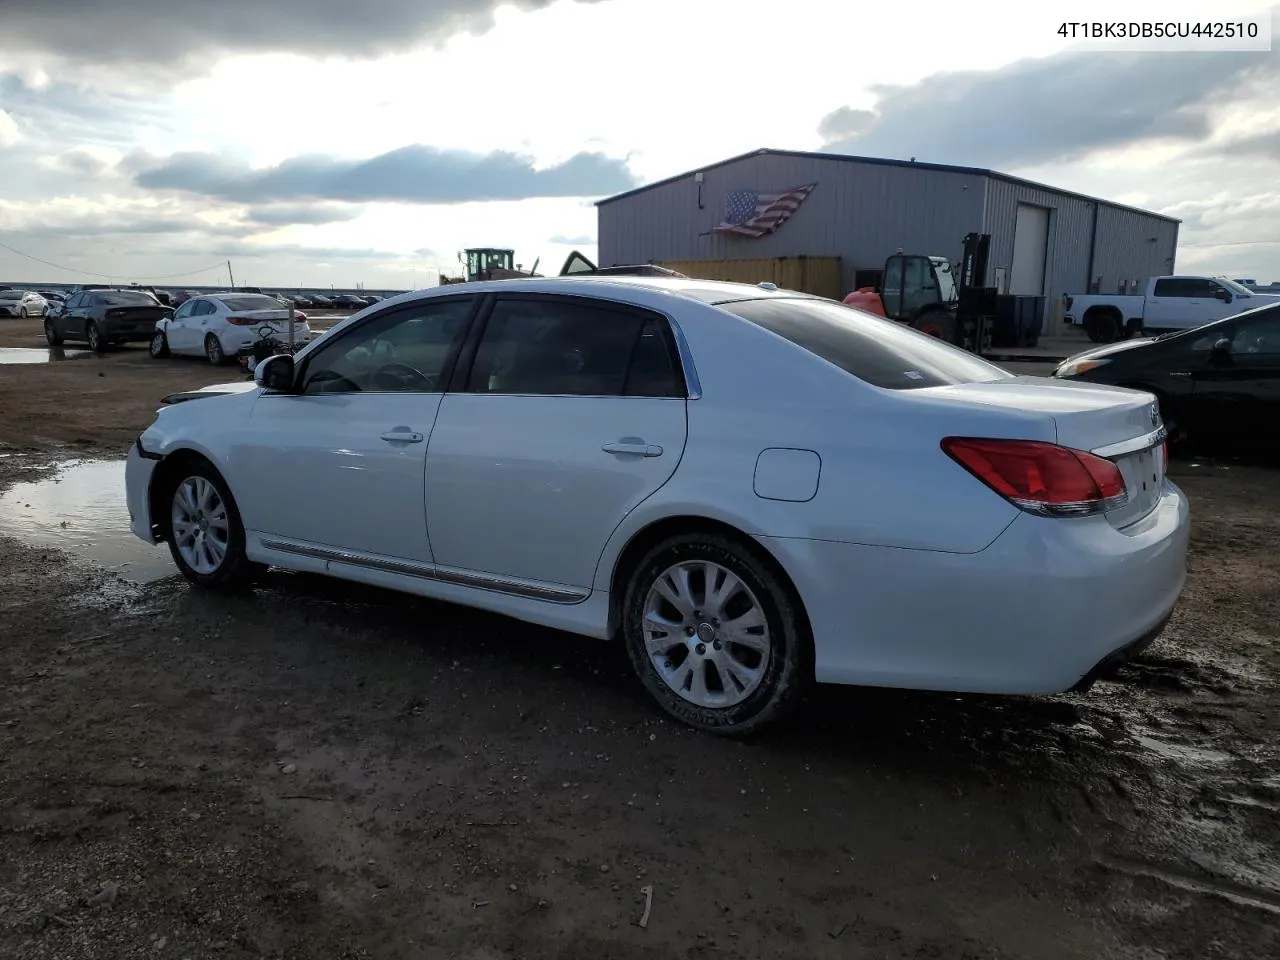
{"x":1222,"y":345}
{"x":275,"y":373}
{"x":1223,"y":295}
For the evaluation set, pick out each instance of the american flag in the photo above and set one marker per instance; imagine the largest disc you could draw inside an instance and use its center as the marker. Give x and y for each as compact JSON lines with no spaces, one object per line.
{"x":751,"y":214}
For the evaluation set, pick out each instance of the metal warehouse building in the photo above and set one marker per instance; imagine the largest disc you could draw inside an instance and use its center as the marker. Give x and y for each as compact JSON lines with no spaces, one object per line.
{"x":1044,"y":241}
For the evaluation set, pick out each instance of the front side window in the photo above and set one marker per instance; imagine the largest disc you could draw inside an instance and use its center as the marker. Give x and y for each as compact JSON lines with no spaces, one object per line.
{"x":881,"y":352}
{"x":573,"y":348}
{"x":1258,"y":338}
{"x":185,"y":310}
{"x":405,"y":350}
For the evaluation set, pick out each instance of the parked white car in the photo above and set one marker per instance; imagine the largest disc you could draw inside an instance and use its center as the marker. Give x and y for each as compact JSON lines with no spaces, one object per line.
{"x":22,"y":304}
{"x":1168,"y":303}
{"x":219,"y":325}
{"x":753,"y":489}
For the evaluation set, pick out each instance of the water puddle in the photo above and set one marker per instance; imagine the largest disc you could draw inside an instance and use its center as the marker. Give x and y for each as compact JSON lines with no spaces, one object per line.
{"x":81,"y":510}
{"x":40,"y":355}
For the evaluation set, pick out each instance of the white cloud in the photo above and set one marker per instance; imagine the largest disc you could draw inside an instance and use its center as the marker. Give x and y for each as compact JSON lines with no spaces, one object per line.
{"x":664,"y":85}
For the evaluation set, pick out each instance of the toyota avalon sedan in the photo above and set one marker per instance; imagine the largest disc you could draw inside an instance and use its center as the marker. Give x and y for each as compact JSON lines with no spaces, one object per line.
{"x":751,"y":489}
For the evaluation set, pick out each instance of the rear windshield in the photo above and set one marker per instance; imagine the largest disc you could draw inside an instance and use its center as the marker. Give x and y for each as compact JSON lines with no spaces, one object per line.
{"x":881,"y":352}
{"x":11,"y":294}
{"x":124,"y":298}
{"x":253,"y":301}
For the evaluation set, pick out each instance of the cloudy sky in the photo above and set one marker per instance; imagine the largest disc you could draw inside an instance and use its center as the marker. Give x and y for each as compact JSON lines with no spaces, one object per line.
{"x":336,"y":142}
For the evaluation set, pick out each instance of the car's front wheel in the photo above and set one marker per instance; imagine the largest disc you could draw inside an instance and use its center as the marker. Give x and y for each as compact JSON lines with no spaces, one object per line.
{"x":206,"y":536}
{"x":159,"y":346}
{"x":715,"y":635}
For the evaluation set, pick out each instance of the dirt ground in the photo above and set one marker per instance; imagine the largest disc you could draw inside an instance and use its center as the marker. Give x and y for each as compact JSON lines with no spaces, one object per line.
{"x":320,"y":771}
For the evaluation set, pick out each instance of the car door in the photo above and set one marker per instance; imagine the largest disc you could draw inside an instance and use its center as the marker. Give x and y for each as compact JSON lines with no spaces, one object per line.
{"x":65,"y":323}
{"x":340,"y":463}
{"x":1217,"y":300}
{"x":568,"y":414}
{"x":177,"y":331}
{"x":1169,"y":305}
{"x":1236,"y":389}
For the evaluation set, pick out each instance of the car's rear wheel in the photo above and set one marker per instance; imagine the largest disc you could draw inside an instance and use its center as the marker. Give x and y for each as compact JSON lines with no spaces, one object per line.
{"x":97,"y":343}
{"x":715,"y":635}
{"x":206,"y":536}
{"x":213,"y":350}
{"x":159,"y":346}
{"x":51,"y":334}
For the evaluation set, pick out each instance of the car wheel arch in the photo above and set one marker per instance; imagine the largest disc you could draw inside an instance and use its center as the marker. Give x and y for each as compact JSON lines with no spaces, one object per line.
{"x":649,"y":536}
{"x":166,"y":473}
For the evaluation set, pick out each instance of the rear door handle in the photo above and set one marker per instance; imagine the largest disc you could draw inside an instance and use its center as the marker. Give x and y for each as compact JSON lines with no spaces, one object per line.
{"x":637,"y":448}
{"x":402,"y":436}
{"x":1178,"y":373}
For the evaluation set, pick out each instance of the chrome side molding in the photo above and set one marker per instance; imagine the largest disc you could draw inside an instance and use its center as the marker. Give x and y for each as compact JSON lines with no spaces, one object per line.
{"x":429,"y":571}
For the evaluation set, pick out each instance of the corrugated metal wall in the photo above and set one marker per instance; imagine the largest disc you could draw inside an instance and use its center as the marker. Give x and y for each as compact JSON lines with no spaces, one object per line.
{"x":1070,"y":226}
{"x":819,"y":275}
{"x":1132,"y":246}
{"x":860,"y":212}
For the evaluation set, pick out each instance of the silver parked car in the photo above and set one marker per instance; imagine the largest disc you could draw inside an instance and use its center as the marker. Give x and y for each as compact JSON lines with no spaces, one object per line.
{"x":22,"y":304}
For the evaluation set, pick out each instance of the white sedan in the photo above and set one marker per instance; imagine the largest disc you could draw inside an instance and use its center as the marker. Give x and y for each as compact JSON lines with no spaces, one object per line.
{"x":219,"y":325}
{"x":751,"y":489}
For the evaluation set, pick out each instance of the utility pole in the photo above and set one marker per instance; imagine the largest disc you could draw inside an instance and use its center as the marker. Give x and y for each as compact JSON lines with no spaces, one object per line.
{"x":231,"y":276}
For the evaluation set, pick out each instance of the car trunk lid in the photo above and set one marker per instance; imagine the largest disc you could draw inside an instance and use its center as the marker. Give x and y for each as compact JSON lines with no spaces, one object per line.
{"x":1118,"y":424}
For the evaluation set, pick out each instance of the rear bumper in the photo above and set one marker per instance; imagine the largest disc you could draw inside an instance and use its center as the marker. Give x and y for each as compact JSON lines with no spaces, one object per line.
{"x":139,"y":332}
{"x":1049,"y":603}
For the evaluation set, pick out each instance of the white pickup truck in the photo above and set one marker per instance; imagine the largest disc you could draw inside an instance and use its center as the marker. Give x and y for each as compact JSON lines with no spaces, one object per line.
{"x":1170,"y":303}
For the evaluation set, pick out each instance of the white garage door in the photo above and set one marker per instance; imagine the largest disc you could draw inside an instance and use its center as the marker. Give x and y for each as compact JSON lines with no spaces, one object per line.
{"x":1030,"y":250}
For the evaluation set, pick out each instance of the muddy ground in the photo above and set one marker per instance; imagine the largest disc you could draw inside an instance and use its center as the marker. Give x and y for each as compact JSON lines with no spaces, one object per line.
{"x":320,"y":771}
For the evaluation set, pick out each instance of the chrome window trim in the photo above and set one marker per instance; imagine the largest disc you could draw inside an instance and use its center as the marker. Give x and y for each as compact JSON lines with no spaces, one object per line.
{"x":430,"y":571}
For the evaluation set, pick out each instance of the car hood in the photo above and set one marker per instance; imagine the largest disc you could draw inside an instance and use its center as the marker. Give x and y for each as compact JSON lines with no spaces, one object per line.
{"x":215,"y":390}
{"x":1110,"y":349}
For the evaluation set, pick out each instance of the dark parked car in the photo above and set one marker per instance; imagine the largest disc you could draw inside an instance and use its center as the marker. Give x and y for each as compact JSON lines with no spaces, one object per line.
{"x":1218,"y":385}
{"x":349,"y":302}
{"x":22,"y":303}
{"x":104,"y":317}
{"x":320,"y":301}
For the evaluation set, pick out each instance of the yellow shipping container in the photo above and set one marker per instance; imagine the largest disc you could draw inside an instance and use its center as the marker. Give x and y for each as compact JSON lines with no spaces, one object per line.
{"x":817,"y":275}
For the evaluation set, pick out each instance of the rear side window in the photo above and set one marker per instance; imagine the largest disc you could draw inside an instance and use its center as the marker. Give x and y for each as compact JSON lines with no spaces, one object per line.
{"x":554,"y":347}
{"x":883,"y":353}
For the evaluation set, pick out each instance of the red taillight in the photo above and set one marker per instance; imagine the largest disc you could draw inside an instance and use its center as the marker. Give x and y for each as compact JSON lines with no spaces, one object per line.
{"x":1164,"y":457}
{"x":242,"y":321}
{"x":1040,"y":477}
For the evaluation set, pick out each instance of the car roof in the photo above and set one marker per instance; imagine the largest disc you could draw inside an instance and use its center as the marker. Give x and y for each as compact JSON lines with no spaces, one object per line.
{"x":705,"y":291}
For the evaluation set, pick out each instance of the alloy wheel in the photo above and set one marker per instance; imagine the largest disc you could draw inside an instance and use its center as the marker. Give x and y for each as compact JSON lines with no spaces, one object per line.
{"x":201,"y":527}
{"x":706,"y":634}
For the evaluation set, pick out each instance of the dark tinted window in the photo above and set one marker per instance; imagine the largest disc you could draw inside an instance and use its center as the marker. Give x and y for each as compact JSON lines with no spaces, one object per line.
{"x":1171,"y":287}
{"x":568,"y":348}
{"x":123,"y":298}
{"x":404,"y":350}
{"x":881,"y":352}
{"x":251,"y":301}
{"x":11,"y":294}
{"x":1258,"y":337}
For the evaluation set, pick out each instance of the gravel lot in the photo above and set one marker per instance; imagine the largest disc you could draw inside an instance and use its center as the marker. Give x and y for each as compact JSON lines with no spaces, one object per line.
{"x":320,"y":771}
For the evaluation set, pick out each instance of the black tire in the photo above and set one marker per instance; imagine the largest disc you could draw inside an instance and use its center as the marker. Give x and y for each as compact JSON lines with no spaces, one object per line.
{"x":788,"y":671}
{"x":51,"y":334}
{"x":1102,"y":326}
{"x":159,"y":346}
{"x":22,"y":313}
{"x":235,"y":569}
{"x":213,"y":350}
{"x":97,"y":343}
{"x":1133,"y":328}
{"x":937,"y":323}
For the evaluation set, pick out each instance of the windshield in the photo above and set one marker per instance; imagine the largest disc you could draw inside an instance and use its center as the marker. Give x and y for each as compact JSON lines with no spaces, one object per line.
{"x":881,"y":352}
{"x":253,"y":301}
{"x":124,"y":298}
{"x":1234,"y":287}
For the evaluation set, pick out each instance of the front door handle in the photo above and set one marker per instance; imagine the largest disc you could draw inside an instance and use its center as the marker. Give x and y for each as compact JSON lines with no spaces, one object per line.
{"x":637,"y":448}
{"x":402,"y":436}
{"x":1178,"y":373}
